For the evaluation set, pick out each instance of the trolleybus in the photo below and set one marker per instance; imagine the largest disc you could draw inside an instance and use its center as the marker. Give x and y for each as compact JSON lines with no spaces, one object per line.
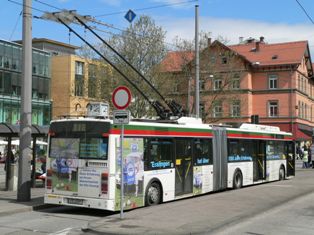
{"x":162,"y":161}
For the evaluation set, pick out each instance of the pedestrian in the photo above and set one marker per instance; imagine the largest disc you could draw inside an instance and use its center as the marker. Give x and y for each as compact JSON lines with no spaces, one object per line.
{"x":299,"y":152}
{"x":305,"y":157}
{"x":309,"y":163}
{"x":312,"y":152}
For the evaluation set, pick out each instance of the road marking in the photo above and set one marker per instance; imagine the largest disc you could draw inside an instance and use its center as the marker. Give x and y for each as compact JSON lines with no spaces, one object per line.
{"x":278,"y":185}
{"x":62,"y":232}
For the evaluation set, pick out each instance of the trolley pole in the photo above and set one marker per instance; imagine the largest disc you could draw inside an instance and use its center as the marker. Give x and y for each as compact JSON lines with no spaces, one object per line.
{"x":197,"y":66}
{"x":24,"y":181}
{"x":122,"y":165}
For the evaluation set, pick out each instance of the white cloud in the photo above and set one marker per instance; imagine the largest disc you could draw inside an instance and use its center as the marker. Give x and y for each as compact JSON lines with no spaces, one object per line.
{"x":232,"y":29}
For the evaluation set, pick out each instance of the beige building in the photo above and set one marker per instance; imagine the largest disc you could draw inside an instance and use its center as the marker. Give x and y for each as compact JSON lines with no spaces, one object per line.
{"x":75,"y":81}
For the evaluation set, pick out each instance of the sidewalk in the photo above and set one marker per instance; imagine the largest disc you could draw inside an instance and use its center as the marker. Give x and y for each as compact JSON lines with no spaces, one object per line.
{"x":9,"y":204}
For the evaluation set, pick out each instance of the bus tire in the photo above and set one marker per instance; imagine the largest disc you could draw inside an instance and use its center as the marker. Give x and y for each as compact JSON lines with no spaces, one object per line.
{"x":153,"y":194}
{"x":282,"y":174}
{"x":237,"y":179}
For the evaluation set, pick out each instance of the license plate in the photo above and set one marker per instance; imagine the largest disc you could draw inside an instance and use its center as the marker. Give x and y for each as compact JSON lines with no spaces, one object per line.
{"x":75,"y":201}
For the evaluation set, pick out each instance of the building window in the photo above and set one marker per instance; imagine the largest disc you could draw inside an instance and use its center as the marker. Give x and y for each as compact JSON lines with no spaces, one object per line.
{"x":273,"y":81}
{"x":79,"y":68}
{"x":202,"y":84}
{"x":202,"y":110}
{"x":235,"y":84}
{"x":235,"y":109}
{"x":212,"y":59}
{"x":176,"y":87}
{"x":217,"y":109}
{"x":92,"y":81}
{"x":273,"y":108}
{"x":224,"y":60}
{"x":217,"y":84}
{"x":79,"y":78}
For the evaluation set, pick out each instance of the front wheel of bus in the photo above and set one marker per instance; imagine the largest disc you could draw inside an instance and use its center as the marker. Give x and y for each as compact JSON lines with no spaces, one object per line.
{"x":281,"y":173}
{"x":153,"y":194}
{"x":237,"y":180}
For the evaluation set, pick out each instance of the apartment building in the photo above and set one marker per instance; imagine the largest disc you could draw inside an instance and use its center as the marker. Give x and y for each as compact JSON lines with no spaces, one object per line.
{"x":273,"y":82}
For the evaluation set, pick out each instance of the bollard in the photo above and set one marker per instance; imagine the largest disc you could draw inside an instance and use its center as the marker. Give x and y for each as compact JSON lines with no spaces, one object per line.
{"x":13,"y":178}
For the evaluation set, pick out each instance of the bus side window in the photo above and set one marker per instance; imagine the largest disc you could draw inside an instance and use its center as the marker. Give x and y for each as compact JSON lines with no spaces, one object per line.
{"x":159,"y":154}
{"x":203,"y":152}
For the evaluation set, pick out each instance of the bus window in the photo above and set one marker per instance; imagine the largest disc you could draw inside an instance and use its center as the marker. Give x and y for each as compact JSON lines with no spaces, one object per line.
{"x":240,"y":150}
{"x":275,"y":150}
{"x":94,"y":148}
{"x":203,"y":149}
{"x":83,"y":140}
{"x":159,"y":154}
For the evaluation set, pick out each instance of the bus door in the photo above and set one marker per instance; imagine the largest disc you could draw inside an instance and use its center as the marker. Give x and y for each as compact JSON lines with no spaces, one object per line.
{"x":259,"y":160}
{"x":184,"y":167}
{"x":290,"y":153}
{"x":220,"y":164}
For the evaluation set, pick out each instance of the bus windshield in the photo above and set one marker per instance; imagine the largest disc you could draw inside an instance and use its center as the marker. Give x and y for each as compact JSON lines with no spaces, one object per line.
{"x":83,"y":140}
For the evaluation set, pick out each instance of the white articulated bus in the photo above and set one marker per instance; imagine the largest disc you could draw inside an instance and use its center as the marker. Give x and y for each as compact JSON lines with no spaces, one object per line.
{"x":163,"y":161}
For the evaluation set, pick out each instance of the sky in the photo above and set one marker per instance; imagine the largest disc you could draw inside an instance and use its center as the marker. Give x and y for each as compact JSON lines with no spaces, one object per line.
{"x":276,"y":20}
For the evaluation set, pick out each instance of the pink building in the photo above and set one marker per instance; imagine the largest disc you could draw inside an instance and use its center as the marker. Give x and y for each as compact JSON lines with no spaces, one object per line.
{"x":273,"y":81}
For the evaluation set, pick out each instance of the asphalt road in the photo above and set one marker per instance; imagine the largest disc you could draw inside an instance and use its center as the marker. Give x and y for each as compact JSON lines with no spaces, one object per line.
{"x":212,"y":213}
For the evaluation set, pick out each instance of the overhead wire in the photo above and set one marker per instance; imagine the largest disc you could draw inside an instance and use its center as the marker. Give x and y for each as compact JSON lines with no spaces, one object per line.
{"x":148,"y":8}
{"x":96,"y":21}
{"x":15,"y":26}
{"x":305,"y":12}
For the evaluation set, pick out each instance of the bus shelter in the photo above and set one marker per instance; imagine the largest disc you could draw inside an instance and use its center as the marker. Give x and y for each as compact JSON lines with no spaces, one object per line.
{"x":9,"y":132}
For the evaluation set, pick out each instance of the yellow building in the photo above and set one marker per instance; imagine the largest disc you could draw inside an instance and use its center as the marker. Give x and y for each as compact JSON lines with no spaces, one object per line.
{"x":75,"y":81}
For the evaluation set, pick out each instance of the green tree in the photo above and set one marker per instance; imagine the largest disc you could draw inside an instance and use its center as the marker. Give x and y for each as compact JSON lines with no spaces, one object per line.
{"x":141,"y":44}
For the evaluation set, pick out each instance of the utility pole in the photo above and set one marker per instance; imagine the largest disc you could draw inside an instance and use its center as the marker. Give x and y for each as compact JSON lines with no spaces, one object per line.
{"x":24,"y":179}
{"x":197,"y":67}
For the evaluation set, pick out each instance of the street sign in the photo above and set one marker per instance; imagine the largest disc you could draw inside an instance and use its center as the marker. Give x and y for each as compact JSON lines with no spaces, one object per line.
{"x":121,"y":117}
{"x":121,"y":97}
{"x":129,"y":16}
{"x":97,"y":109}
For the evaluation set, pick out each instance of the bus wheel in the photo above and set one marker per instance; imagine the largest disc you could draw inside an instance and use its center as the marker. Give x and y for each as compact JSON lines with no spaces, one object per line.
{"x":282,"y":173}
{"x":153,"y":194}
{"x":237,"y":180}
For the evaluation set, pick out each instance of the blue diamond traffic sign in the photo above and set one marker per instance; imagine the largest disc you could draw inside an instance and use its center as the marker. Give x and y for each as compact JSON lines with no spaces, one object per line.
{"x":129,"y":16}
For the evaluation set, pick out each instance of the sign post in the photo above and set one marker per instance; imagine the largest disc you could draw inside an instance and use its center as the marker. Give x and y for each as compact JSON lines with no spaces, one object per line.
{"x":121,"y":99}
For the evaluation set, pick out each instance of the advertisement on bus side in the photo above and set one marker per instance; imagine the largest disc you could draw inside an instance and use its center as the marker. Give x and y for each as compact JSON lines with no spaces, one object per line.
{"x":133,"y":173}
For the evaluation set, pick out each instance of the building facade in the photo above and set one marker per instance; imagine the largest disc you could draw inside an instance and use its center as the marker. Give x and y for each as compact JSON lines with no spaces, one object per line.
{"x":75,"y":81}
{"x":10,"y":84}
{"x":271,"y":83}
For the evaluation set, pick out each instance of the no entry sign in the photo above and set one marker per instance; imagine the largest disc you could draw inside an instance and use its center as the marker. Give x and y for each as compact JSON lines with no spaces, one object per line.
{"x":121,"y":97}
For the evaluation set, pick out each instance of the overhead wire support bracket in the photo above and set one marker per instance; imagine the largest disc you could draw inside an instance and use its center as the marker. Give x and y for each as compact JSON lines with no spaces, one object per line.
{"x":174,"y":107}
{"x":72,"y":17}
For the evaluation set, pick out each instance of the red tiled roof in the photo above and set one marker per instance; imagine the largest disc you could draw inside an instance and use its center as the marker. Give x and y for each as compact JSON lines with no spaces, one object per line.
{"x":174,"y":61}
{"x":272,"y":54}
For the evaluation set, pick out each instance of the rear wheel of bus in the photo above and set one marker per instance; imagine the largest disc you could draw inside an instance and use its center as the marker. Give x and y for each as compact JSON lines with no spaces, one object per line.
{"x":153,"y":194}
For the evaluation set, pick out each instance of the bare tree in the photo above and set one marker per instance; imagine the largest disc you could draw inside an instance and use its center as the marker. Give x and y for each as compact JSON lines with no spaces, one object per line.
{"x":221,"y":72}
